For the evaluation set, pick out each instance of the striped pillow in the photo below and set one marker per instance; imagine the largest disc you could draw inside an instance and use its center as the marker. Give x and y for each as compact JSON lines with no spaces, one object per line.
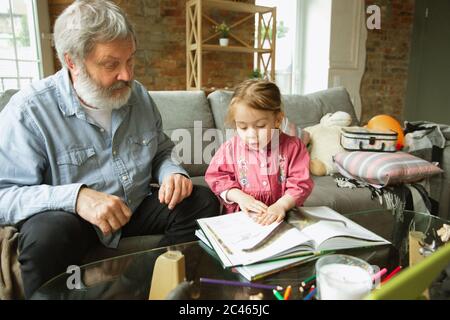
{"x":382,"y":168}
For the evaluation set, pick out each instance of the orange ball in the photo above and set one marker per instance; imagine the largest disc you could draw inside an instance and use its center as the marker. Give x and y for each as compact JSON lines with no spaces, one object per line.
{"x":385,"y":122}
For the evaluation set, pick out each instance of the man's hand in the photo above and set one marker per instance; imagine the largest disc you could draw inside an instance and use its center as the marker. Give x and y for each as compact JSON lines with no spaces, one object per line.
{"x":107,"y":212}
{"x":174,"y":189}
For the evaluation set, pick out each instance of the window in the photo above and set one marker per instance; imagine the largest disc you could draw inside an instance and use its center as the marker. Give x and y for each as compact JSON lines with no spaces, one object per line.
{"x":21,"y":48}
{"x":285,"y":38}
{"x":302,"y":44}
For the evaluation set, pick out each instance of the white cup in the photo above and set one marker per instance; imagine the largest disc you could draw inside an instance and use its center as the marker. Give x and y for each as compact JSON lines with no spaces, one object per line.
{"x":343,"y":277}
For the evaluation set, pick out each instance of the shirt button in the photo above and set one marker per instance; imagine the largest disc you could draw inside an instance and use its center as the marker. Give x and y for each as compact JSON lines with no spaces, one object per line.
{"x":114,"y":152}
{"x":124,"y":178}
{"x":263,"y":165}
{"x":144,"y":141}
{"x":102,"y":130}
{"x":264,"y":183}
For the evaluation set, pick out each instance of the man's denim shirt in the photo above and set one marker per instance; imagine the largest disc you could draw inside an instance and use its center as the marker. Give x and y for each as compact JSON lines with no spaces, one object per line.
{"x":49,"y":149}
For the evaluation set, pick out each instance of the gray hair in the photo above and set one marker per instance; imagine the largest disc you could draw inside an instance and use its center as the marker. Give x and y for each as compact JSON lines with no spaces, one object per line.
{"x":87,"y":22}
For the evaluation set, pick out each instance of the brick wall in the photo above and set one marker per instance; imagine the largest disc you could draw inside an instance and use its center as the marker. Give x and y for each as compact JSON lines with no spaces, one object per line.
{"x":383,"y":88}
{"x":161,"y":54}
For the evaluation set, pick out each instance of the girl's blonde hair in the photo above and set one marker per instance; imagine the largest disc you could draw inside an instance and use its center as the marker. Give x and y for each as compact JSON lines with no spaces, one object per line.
{"x":257,"y":94}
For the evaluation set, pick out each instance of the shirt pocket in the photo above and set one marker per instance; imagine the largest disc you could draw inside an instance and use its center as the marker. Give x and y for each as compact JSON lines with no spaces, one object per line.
{"x":80,"y":166}
{"x":143,"y":147}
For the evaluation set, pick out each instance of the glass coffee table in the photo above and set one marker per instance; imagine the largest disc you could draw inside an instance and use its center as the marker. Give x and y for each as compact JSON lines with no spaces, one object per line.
{"x":129,"y":276}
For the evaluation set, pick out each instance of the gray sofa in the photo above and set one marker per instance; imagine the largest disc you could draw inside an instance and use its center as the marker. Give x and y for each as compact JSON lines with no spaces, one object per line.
{"x":307,"y":110}
{"x":193,"y":112}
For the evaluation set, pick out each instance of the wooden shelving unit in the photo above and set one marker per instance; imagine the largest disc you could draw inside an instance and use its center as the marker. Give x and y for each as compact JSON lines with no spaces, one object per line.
{"x":197,"y":12}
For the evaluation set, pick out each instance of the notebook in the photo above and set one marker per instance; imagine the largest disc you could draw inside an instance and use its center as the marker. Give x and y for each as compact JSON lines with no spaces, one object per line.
{"x":239,"y":241}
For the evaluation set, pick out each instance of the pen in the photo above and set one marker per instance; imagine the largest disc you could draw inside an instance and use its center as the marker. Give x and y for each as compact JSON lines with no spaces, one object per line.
{"x":287,"y":293}
{"x":240,"y":284}
{"x":277,"y":295}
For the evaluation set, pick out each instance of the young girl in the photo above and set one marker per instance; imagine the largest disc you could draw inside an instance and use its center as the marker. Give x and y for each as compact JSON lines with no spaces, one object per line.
{"x":260,"y":170}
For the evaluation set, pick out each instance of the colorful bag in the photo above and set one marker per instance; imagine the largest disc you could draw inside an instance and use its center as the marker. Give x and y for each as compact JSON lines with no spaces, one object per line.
{"x":363,"y":139}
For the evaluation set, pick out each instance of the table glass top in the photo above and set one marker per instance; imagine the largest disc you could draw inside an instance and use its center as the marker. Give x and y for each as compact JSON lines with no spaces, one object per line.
{"x":130,"y":276}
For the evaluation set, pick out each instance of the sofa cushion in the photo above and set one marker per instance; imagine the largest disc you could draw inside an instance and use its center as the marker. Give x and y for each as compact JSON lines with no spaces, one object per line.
{"x":199,"y":181}
{"x":5,"y":97}
{"x":307,"y":110}
{"x":343,"y":200}
{"x":303,"y":110}
{"x":186,"y":116}
{"x":383,"y":168}
{"x":219,"y":101}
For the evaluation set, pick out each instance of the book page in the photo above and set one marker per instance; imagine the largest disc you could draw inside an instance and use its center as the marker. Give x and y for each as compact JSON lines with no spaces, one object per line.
{"x":260,"y":270}
{"x":238,"y":240}
{"x":287,"y":240}
{"x":322,"y":224}
{"x":240,"y":231}
{"x":231,"y":234}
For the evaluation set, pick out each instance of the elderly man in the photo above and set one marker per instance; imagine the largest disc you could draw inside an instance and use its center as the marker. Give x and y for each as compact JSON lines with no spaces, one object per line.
{"x":79,"y":149}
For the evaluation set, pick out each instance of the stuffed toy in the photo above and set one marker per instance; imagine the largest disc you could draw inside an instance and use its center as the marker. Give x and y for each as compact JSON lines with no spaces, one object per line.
{"x":325,"y":142}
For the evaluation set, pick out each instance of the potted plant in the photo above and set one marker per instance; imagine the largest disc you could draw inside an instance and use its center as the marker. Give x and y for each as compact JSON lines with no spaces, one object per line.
{"x":223,"y":29}
{"x":256,"y":74}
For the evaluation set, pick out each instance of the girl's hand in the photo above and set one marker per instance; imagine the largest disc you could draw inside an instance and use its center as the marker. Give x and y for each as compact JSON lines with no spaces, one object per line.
{"x":274,"y":213}
{"x":248,"y":204}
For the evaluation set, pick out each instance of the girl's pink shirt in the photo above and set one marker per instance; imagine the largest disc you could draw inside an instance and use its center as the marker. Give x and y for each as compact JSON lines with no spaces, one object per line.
{"x":267,"y":175}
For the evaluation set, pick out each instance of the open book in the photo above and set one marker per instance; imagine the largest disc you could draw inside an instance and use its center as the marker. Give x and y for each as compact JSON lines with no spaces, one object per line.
{"x":238,"y":240}
{"x":263,"y":269}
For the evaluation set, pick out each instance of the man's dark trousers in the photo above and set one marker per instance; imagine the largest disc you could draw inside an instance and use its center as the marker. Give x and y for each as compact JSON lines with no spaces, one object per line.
{"x":51,"y":241}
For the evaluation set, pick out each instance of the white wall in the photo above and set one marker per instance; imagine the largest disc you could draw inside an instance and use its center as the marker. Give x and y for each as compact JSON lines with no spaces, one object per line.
{"x":348,"y":48}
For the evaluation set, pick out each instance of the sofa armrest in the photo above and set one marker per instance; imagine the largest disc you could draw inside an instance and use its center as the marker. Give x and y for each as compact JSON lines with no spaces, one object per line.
{"x":5,"y":97}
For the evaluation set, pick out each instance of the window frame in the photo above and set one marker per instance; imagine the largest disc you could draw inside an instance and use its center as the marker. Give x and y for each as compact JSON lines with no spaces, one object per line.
{"x":42,"y":39}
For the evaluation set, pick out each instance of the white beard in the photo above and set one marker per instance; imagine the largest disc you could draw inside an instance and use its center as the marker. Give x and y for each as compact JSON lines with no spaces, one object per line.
{"x":98,"y":97}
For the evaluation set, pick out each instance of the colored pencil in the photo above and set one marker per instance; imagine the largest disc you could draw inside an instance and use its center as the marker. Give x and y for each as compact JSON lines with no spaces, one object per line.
{"x":379,"y":274}
{"x":240,"y":284}
{"x":310,"y":295}
{"x":307,"y":280}
{"x":277,"y":295}
{"x":390,"y":275}
{"x":287,"y":293}
{"x":307,"y":287}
